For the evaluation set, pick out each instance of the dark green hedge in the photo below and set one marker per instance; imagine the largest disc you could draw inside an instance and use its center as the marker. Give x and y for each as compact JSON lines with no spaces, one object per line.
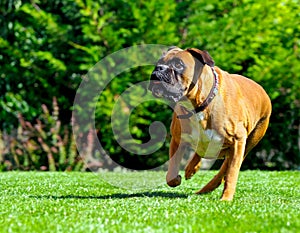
{"x":46,"y":47}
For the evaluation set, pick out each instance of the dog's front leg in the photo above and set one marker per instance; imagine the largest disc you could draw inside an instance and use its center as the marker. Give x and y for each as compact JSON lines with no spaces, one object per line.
{"x":193,"y":166}
{"x":234,"y":165}
{"x":176,"y":153}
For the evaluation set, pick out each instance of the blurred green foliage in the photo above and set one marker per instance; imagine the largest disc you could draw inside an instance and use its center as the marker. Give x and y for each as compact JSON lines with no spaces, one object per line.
{"x":46,"y":47}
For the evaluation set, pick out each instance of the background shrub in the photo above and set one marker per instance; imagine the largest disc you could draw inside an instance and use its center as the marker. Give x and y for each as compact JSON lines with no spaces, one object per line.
{"x":47,"y":46}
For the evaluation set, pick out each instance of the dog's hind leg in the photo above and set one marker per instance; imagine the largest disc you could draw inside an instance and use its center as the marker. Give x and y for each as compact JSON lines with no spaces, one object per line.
{"x":217,"y":180}
{"x":193,"y":166}
{"x":256,"y":135}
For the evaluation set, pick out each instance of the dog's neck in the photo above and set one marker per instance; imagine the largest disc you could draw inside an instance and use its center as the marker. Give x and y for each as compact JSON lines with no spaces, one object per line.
{"x":205,"y":89}
{"x":203,"y":93}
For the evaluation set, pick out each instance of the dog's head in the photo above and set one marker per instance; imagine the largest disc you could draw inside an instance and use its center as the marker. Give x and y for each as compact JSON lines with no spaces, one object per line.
{"x":177,"y":72}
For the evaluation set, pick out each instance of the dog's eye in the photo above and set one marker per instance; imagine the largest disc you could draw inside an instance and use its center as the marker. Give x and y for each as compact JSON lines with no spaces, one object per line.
{"x":178,"y":64}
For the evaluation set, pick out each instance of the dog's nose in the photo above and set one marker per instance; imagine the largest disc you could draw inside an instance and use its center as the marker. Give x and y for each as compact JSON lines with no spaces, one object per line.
{"x":161,"y":68}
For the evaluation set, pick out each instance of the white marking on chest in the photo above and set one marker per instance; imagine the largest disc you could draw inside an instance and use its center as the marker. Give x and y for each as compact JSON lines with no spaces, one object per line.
{"x":207,"y":143}
{"x":200,"y":116}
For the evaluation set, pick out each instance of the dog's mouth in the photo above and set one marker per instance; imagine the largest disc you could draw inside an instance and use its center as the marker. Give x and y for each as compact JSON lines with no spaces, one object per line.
{"x":162,"y":85}
{"x":157,"y":89}
{"x":161,"y":89}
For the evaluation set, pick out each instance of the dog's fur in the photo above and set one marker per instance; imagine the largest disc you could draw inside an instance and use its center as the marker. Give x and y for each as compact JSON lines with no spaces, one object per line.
{"x":238,"y":114}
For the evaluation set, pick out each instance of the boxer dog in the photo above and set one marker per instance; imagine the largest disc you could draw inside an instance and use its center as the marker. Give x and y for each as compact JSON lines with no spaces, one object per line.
{"x":212,"y":107}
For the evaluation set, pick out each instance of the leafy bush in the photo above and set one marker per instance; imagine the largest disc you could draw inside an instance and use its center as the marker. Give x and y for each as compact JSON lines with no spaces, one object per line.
{"x":46,"y":48}
{"x":45,"y":145}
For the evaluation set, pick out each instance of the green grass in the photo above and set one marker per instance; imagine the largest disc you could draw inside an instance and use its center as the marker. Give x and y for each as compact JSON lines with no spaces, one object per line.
{"x":81,"y":202}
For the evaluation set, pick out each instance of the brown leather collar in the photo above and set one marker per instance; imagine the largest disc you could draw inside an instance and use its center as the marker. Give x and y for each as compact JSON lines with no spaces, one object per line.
{"x":213,"y":92}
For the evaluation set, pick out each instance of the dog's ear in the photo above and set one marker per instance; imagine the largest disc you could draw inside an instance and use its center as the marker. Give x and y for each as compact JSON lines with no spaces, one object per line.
{"x":202,"y":56}
{"x":175,"y":48}
{"x":172,"y":47}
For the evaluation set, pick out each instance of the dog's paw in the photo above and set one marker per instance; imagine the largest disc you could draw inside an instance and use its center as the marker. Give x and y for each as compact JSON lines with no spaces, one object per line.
{"x":203,"y":191}
{"x":190,"y":170}
{"x":192,"y":166}
{"x":175,"y":182}
{"x":226,"y":198}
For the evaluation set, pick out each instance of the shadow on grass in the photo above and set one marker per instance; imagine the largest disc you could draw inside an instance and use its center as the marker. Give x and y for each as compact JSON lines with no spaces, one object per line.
{"x":115,"y":196}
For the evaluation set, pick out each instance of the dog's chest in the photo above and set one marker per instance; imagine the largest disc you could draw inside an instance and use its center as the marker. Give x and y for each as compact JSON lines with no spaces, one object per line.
{"x":207,"y":143}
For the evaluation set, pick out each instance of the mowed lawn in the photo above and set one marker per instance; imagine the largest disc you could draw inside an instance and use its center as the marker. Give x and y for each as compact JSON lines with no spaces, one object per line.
{"x":82,"y":202}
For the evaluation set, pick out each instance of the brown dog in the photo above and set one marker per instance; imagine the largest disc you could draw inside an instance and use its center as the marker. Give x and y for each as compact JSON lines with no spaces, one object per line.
{"x":219,"y":115}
